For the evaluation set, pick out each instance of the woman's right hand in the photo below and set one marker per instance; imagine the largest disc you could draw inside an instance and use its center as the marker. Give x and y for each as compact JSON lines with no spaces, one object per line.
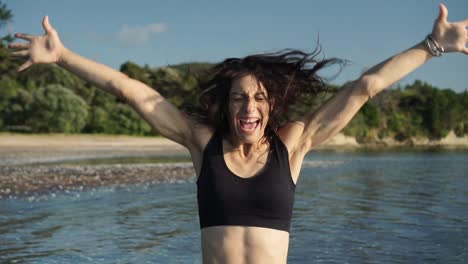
{"x":41,"y":49}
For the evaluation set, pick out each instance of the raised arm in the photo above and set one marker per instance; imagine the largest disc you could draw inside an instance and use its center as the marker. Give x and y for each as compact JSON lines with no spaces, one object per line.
{"x":157,"y":111}
{"x":335,"y":114}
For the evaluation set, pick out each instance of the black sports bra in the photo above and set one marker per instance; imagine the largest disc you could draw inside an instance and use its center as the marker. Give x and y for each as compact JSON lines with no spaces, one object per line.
{"x":264,"y":200}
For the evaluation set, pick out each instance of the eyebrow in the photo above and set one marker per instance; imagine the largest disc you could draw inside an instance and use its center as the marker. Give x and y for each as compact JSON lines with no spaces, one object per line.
{"x":241,"y":93}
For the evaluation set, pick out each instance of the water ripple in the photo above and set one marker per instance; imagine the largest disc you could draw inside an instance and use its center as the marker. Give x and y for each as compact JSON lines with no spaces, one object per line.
{"x":353,"y":208}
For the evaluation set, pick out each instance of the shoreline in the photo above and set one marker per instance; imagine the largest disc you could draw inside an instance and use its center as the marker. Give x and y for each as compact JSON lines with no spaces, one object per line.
{"x":31,"y":180}
{"x":450,"y":142}
{"x":20,"y":149}
{"x":35,"y":164}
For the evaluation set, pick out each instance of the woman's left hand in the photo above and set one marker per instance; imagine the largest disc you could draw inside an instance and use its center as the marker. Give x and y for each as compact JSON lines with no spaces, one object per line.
{"x":452,"y":36}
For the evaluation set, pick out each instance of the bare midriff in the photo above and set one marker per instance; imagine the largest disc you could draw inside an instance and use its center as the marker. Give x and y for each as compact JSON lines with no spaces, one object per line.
{"x":244,"y":244}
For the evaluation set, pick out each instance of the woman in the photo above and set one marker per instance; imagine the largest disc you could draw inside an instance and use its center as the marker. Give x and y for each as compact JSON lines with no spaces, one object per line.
{"x":246,"y":162}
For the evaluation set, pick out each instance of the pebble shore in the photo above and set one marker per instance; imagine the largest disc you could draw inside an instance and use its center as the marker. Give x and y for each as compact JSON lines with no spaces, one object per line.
{"x":17,"y":181}
{"x":31,"y":165}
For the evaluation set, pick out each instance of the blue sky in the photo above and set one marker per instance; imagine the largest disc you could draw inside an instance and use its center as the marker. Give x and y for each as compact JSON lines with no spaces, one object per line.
{"x":159,"y":33}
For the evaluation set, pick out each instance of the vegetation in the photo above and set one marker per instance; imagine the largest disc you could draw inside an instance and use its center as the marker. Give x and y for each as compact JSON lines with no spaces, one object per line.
{"x":46,"y":98}
{"x":416,"y":110}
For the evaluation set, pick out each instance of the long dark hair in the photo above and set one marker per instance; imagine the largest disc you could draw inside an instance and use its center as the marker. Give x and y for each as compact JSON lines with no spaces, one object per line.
{"x":289,"y":76}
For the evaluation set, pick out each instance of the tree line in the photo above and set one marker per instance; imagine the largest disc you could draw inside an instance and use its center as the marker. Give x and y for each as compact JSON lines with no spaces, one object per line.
{"x":48,"y":99}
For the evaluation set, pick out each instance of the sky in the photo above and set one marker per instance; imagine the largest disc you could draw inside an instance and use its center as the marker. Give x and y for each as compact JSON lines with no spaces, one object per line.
{"x":160,"y":33}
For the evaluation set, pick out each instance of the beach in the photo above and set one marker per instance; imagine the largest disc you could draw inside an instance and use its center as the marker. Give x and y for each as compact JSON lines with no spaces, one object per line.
{"x":31,"y":164}
{"x":19,"y":149}
{"x":59,"y":206}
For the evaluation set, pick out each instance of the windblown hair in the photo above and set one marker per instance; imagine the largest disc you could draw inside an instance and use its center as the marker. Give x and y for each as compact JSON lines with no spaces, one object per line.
{"x":289,"y":76}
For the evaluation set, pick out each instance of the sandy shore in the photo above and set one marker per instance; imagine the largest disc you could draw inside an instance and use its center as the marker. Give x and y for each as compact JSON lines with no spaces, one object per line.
{"x":26,"y":149}
{"x":32,"y":164}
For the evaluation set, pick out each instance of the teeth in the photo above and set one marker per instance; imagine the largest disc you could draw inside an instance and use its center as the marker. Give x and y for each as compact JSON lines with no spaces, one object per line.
{"x":249,"y":121}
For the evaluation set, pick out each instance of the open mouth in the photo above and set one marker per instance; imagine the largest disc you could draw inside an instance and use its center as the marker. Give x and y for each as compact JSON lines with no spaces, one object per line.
{"x":249,"y":125}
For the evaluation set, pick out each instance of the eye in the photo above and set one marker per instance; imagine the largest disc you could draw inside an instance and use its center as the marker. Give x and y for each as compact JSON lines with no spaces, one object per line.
{"x":237,"y":99}
{"x":260,"y":97}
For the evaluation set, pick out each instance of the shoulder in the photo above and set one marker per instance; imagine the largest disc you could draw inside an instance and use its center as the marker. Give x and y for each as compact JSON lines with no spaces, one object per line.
{"x":200,"y":136}
{"x":291,"y":134}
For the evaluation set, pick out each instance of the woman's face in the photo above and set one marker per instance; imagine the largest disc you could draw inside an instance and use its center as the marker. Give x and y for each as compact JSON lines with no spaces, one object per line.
{"x":249,"y":109}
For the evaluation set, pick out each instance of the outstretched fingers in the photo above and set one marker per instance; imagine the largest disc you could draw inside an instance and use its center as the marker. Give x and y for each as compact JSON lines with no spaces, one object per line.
{"x":25,"y":65}
{"x":443,"y":14}
{"x":46,"y":25}
{"x":465,"y":50}
{"x":19,"y":46}
{"x":22,"y":49}
{"x":466,"y":27}
{"x":21,"y":53}
{"x":24,"y":36}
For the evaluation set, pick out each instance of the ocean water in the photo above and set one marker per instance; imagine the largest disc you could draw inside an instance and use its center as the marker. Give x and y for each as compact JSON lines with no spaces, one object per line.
{"x":351,"y":207}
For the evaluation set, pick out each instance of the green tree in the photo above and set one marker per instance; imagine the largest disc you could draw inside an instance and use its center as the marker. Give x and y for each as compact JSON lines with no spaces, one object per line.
{"x":5,"y":17}
{"x":124,"y":120}
{"x":108,"y":115}
{"x":357,"y":128}
{"x":45,"y":74}
{"x":8,"y":64}
{"x":134,"y":71}
{"x":5,"y":14}
{"x":13,"y":99}
{"x":371,"y":115}
{"x":462,"y":126}
{"x":56,"y":109}
{"x":15,"y":103}
{"x":66,"y":103}
{"x":444,"y":112}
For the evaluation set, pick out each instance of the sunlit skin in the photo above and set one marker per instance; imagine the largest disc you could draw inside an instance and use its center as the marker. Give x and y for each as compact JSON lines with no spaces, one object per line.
{"x":245,"y":147}
{"x":248,"y":112}
{"x":245,"y":150}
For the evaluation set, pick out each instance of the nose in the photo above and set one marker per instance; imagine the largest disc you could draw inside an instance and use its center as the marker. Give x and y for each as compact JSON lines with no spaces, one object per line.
{"x":249,"y":105}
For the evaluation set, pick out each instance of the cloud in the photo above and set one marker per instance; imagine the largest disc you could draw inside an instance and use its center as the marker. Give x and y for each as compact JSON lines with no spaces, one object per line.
{"x":139,"y":35}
